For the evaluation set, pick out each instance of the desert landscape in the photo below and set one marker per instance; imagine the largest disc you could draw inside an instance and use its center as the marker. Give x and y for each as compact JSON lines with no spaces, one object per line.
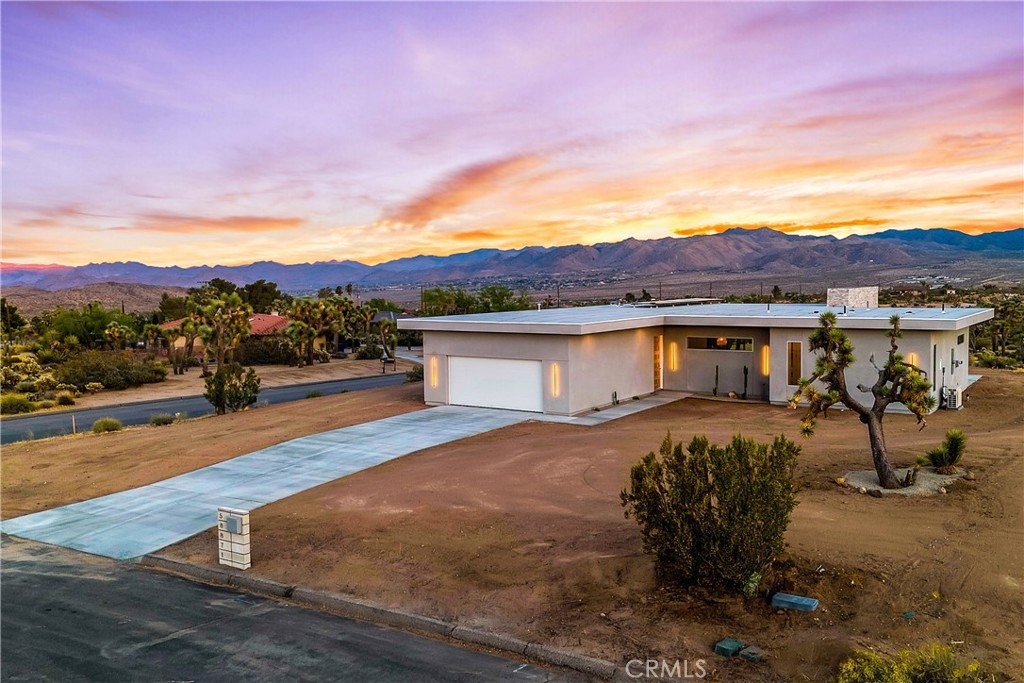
{"x":521,"y":531}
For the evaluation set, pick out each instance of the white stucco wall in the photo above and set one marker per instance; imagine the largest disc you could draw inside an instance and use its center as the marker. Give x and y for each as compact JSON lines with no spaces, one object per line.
{"x":696,"y":371}
{"x":949,"y":367}
{"x":621,"y":362}
{"x":865,"y":343}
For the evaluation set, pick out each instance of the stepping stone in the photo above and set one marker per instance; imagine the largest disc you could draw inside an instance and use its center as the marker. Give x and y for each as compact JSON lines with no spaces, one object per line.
{"x":728,"y":647}
{"x":799,"y":603}
{"x":752,"y":653}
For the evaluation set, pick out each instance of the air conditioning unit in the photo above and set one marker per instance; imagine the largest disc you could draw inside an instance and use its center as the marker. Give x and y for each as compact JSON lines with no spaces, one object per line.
{"x":954,"y":399}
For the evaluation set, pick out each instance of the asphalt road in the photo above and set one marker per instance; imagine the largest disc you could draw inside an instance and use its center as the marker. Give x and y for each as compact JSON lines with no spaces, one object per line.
{"x":28,"y":427}
{"x":72,"y":617}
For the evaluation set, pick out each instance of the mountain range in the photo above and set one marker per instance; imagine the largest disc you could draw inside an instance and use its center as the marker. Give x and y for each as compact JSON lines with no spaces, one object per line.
{"x":734,"y":251}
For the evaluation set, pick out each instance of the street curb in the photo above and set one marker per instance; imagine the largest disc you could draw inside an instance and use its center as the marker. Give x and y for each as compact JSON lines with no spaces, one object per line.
{"x":364,"y":610}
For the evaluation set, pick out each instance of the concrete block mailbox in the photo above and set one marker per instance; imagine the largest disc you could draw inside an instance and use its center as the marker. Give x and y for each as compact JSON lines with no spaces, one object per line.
{"x":233,"y":547}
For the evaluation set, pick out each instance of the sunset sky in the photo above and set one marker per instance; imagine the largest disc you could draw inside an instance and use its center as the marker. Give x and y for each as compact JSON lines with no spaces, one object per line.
{"x":191,"y":133}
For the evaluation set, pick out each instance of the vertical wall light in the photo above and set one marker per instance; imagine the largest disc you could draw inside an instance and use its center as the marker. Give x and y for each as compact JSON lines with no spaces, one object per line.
{"x":912,"y":358}
{"x":556,"y":380}
{"x":673,"y":356}
{"x":766,"y":360}
{"x":433,"y":372}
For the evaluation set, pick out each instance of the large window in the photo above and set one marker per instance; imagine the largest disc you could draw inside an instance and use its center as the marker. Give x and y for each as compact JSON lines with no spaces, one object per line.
{"x":794,"y":365}
{"x":720,"y":343}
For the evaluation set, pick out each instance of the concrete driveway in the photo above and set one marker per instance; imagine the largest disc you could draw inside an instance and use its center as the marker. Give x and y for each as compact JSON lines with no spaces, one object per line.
{"x":142,"y":520}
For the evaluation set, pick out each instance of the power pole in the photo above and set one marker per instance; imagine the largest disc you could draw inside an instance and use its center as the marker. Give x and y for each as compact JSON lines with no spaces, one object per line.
{"x":709,"y":289}
{"x":558,"y":294}
{"x":660,"y":296}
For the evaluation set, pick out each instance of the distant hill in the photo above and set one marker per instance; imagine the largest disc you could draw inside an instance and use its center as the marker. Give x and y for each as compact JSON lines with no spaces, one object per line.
{"x":135,"y":297}
{"x":734,"y":251}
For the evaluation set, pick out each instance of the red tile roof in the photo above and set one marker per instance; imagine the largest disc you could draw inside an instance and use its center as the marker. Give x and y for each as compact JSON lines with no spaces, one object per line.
{"x":263,"y":324}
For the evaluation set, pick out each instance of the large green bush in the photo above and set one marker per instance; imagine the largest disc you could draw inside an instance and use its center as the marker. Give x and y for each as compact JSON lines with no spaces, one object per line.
{"x":268,"y":350}
{"x":12,"y":404}
{"x":112,"y":370}
{"x":414,"y":374}
{"x":232,"y":388}
{"x":929,"y":664}
{"x":712,"y":515}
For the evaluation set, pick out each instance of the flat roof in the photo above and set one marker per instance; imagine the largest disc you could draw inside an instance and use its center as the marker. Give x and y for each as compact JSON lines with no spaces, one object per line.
{"x":596,"y":319}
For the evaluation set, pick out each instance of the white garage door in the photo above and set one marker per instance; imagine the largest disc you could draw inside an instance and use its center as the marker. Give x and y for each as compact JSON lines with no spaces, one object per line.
{"x":496,"y":383}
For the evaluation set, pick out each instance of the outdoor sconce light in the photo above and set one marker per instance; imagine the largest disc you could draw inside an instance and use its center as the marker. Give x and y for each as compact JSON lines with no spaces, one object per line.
{"x":766,"y":360}
{"x":673,"y":356}
{"x":433,"y":372}
{"x":721,"y":341}
{"x":556,"y":380}
{"x":912,"y":359}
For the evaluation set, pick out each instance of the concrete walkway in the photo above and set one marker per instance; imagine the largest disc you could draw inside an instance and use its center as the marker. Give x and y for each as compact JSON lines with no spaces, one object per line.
{"x":142,"y":520}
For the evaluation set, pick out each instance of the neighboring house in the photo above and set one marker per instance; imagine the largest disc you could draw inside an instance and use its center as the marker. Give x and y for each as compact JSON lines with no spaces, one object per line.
{"x":263,"y":325}
{"x":179,"y":343}
{"x":569,"y":360}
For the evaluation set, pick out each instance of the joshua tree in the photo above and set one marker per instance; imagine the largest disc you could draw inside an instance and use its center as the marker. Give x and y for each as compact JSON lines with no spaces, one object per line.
{"x":118,"y":335}
{"x":172,"y":335}
{"x":223,"y":322}
{"x":318,"y":317}
{"x":152,"y":333}
{"x":388,"y":339}
{"x":898,"y":382}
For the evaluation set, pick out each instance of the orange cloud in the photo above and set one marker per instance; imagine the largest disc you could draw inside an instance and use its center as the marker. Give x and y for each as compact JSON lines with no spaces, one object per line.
{"x":462,"y":188}
{"x":170,"y":223}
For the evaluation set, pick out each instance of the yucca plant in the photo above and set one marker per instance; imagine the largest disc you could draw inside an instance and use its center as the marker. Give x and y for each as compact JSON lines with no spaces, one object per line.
{"x":946,"y":457}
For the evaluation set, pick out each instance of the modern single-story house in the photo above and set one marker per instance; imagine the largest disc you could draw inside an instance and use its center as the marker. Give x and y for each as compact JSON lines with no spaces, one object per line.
{"x":566,"y":361}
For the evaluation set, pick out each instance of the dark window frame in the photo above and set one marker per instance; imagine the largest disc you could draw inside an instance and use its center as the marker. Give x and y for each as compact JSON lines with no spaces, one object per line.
{"x":711,"y":344}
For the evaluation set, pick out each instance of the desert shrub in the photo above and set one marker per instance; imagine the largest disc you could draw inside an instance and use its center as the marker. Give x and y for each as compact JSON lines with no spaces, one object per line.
{"x":112,"y":370}
{"x":93,"y":387}
{"x":269,"y":350}
{"x":369,"y":352}
{"x":232,"y":388}
{"x":26,"y":387}
{"x":946,"y":457}
{"x":414,"y":374}
{"x":67,"y":388}
{"x":12,"y":404}
{"x":987,"y":359}
{"x":46,"y":382}
{"x":712,"y":515}
{"x":321,"y":355}
{"x":161,"y":419}
{"x":933,"y":663}
{"x":106,"y":424}
{"x":43,"y":405}
{"x":64,"y":398}
{"x":315,"y":393}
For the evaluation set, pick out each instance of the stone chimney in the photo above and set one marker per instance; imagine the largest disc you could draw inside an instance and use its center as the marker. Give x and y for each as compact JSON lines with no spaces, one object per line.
{"x":854,"y":297}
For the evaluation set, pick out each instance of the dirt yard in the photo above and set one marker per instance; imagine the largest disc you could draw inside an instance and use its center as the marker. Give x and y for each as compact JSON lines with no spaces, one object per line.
{"x":521,"y":531}
{"x":37,"y":475}
{"x":192,"y":384}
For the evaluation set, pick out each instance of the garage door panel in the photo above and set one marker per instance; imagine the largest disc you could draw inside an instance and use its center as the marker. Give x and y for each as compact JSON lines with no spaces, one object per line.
{"x":496,"y":383}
